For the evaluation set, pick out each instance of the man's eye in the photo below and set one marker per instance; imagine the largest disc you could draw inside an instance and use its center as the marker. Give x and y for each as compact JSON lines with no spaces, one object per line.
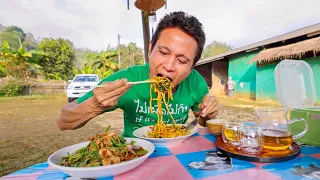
{"x":164,"y":53}
{"x":182,"y":61}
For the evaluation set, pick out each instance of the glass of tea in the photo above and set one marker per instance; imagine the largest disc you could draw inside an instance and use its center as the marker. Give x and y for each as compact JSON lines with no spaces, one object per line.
{"x":251,"y":139}
{"x":274,"y":124}
{"x":277,"y":139}
{"x":230,"y":133}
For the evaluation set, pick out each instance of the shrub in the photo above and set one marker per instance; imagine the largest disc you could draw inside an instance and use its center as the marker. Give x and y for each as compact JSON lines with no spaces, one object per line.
{"x":14,"y":88}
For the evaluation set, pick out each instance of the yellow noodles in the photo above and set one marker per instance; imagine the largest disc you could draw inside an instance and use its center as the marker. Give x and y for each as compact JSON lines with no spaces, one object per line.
{"x":162,"y":86}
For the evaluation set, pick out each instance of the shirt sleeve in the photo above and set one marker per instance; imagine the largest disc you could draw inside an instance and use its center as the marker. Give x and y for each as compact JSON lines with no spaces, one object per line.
{"x":201,"y":91}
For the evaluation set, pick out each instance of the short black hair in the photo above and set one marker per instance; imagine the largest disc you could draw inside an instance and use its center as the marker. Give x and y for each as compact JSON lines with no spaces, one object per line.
{"x":188,"y":24}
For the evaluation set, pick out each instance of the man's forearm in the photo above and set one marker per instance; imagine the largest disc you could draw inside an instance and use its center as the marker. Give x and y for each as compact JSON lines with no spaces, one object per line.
{"x":75,"y":115}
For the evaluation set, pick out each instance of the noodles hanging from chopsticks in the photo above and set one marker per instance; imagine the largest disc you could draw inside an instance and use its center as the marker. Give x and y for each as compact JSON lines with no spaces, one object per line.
{"x":162,"y":86}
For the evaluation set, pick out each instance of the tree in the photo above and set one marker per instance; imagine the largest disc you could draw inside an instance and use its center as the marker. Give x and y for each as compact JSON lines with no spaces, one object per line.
{"x":30,"y":43}
{"x":12,"y":35}
{"x":103,"y":63}
{"x":58,"y":58}
{"x":18,"y":64}
{"x":106,"y":63}
{"x":83,"y":56}
{"x":215,"y":48}
{"x":130,"y":55}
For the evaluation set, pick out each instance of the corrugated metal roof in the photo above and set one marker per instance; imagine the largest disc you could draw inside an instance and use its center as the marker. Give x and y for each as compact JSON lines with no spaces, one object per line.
{"x":290,"y":35}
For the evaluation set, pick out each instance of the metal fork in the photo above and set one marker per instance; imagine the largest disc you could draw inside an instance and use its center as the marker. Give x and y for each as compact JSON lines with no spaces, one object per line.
{"x":193,"y":123}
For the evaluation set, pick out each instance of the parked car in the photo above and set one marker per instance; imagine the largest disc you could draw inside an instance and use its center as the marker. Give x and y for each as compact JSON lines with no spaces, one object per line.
{"x":80,"y":85}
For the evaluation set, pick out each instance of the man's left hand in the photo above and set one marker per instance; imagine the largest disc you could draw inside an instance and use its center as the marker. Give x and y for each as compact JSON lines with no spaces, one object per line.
{"x":209,"y":107}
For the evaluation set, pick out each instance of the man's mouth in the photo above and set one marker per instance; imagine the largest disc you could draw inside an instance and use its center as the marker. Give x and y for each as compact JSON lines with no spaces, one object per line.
{"x":165,"y":76}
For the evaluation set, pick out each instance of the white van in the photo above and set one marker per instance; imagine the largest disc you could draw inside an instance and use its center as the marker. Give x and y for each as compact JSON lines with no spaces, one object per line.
{"x":80,"y":85}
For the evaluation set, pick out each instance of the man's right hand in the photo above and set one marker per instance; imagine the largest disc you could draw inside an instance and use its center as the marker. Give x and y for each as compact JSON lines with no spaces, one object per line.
{"x":107,"y":96}
{"x":74,"y":115}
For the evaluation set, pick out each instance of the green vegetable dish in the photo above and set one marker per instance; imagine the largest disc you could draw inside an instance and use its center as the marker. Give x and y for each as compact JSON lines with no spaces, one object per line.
{"x":104,"y":149}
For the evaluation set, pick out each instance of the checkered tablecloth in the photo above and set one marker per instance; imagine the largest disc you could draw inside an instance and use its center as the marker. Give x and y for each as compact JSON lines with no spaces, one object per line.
{"x":173,"y":163}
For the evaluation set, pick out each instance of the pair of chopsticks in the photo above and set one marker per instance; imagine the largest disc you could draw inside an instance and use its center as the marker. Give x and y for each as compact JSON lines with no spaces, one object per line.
{"x":130,"y":83}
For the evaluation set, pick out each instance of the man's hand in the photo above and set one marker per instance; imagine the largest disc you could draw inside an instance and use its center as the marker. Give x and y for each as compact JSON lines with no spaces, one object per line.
{"x":74,"y":115}
{"x":106,"y":97}
{"x":209,"y":108}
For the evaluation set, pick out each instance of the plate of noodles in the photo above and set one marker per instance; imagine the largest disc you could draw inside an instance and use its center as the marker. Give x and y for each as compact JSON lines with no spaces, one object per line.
{"x":170,"y":135}
{"x":105,"y":155}
{"x":162,"y":134}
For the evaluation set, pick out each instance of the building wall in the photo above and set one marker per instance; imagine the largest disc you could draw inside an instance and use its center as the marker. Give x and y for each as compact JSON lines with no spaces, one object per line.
{"x":219,"y":75}
{"x":244,"y":75}
{"x":266,"y":88}
{"x":205,"y":70}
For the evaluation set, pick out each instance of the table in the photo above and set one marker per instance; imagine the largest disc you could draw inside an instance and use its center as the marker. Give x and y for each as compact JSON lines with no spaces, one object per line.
{"x":173,"y":163}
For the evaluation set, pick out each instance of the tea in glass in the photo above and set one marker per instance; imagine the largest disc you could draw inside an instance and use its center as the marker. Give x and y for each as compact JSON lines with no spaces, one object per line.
{"x":276,"y":140}
{"x":230,"y":133}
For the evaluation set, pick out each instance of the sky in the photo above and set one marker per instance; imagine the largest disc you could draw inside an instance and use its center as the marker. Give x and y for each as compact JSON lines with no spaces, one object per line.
{"x":95,"y":24}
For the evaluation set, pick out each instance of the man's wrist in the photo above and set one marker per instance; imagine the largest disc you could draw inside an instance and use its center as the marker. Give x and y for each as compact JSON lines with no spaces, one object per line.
{"x":202,"y":121}
{"x":92,"y":107}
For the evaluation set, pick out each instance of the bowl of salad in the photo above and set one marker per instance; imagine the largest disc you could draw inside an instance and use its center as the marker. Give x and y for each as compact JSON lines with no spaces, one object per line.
{"x":105,"y":155}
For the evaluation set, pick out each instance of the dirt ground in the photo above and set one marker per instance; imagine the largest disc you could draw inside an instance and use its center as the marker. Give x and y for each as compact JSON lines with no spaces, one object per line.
{"x":28,"y":131}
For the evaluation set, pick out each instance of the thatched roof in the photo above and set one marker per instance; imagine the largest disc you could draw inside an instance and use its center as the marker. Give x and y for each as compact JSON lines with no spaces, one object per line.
{"x":291,"y":51}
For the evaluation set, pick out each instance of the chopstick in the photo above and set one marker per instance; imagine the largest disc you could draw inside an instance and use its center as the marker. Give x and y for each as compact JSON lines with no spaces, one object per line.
{"x":130,"y":83}
{"x":139,"y":82}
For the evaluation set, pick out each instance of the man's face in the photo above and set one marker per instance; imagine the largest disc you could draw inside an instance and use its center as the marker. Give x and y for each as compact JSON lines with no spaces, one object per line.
{"x":173,"y":55}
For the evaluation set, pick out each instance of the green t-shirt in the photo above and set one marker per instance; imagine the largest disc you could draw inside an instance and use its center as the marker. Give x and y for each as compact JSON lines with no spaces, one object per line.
{"x":135,"y":102}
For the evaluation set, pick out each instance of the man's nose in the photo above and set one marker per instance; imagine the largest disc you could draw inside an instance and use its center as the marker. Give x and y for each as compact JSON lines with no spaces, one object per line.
{"x":170,"y":64}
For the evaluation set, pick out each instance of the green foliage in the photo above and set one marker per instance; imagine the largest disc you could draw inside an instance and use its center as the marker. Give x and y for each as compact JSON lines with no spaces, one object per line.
{"x":102,"y":63}
{"x":30,"y":43}
{"x":3,"y":70}
{"x":83,"y":56}
{"x":16,"y":63}
{"x":106,"y":60}
{"x":58,"y":58}
{"x":11,"y":38}
{"x":13,"y":88}
{"x":56,"y":76}
{"x":215,"y":48}
{"x":12,"y":35}
{"x":130,"y":55}
{"x":17,"y":30}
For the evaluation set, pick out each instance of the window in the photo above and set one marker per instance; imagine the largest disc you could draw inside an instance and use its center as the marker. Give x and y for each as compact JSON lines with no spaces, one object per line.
{"x":86,"y":79}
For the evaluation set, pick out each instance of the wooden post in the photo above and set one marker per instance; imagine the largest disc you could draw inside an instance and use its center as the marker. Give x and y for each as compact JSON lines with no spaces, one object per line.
{"x":119,"y":62}
{"x":146,"y":34}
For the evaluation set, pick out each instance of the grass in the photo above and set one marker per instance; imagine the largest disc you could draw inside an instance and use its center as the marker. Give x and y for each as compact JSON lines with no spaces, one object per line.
{"x":32,"y":97}
{"x":29,"y":133}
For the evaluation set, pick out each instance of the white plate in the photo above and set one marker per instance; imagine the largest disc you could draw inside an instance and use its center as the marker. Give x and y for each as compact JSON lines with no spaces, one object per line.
{"x":142,"y":133}
{"x":100,"y":171}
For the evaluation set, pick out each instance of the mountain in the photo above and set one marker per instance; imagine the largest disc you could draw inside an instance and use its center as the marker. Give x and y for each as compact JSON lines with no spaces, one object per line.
{"x":1,"y":28}
{"x":30,"y":43}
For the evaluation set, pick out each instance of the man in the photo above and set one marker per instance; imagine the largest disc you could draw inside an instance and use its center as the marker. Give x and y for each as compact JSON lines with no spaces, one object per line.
{"x":175,"y":47}
{"x":230,"y":86}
